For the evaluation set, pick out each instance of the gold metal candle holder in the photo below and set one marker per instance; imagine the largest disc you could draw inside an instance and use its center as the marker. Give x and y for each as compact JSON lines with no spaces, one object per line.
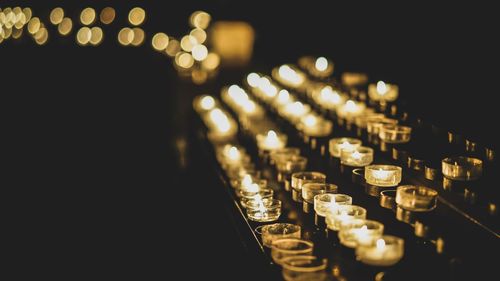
{"x":301,"y":178}
{"x":462,"y":168}
{"x":416,"y":198}
{"x":383,"y":175}
{"x":302,"y":267}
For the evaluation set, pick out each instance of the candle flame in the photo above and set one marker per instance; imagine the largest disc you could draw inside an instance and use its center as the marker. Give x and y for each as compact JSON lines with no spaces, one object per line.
{"x":380,"y":244}
{"x":233,"y":153}
{"x":381,"y":174}
{"x":321,"y":64}
{"x":207,"y":102}
{"x":220,"y":120}
{"x":289,"y":74}
{"x":253,"y":79}
{"x":382,"y":88}
{"x":283,"y":97}
{"x":247,"y":181}
{"x":356,"y":155}
{"x":310,"y":120}
{"x":350,"y":106}
{"x":327,"y":94}
{"x":254,"y":188}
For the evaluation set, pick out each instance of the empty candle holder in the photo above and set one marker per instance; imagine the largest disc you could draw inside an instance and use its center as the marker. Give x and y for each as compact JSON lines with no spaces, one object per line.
{"x":362,"y":121}
{"x":462,"y":168}
{"x":395,"y":134}
{"x":336,"y":145}
{"x":357,"y":157}
{"x":303,"y":267}
{"x":268,"y":210}
{"x":416,"y":198}
{"x":383,"y":175}
{"x":301,"y":178}
{"x":310,"y":190}
{"x":336,"y":217}
{"x":388,"y":199}
{"x":276,"y":231}
{"x":253,"y":199}
{"x":283,"y":248}
{"x":374,"y":125}
{"x":387,"y":250}
{"x":359,"y":232}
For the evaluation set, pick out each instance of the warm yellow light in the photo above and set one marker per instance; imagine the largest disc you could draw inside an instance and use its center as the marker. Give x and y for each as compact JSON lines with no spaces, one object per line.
{"x":310,"y":120}
{"x":138,"y":36}
{"x":173,"y":48}
{"x":20,"y":20}
{"x":34,"y":25}
{"x":125,"y":36}
{"x":220,"y":120}
{"x":253,"y":79}
{"x":200,"y":19}
{"x":136,"y":16}
{"x":96,"y":35}
{"x":107,"y":15}
{"x":207,"y":102}
{"x":283,"y":96}
{"x":160,"y":41}
{"x":356,"y":155}
{"x":87,"y":16}
{"x":56,"y":15}
{"x":380,"y":244}
{"x":321,"y":64}
{"x":199,"y":52}
{"x":327,"y":94}
{"x":184,"y":60}
{"x":188,"y":42}
{"x":27,"y":13}
{"x":16,"y":33}
{"x":382,"y":88}
{"x":199,"y":34}
{"x":65,"y":26}
{"x":211,"y":62}
{"x":289,"y":74}
{"x":296,"y":108}
{"x":271,"y":139}
{"x":237,"y":94}
{"x":83,"y":36}
{"x":350,"y":106}
{"x":41,"y":36}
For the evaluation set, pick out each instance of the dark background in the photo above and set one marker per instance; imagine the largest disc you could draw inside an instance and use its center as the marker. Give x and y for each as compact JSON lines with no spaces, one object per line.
{"x":95,"y":134}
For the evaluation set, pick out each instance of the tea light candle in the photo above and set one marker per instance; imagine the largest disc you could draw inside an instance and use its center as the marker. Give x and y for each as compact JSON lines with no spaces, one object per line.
{"x":384,"y":251}
{"x":284,"y":98}
{"x":383,"y":92}
{"x":271,"y":141}
{"x":289,"y":165}
{"x":220,"y":122}
{"x":395,"y":134}
{"x":373,"y":125}
{"x":350,"y":109}
{"x":267,"y":210}
{"x":339,"y":215}
{"x":302,"y":267}
{"x":315,"y":126}
{"x":310,"y":190}
{"x":289,"y":76}
{"x":203,"y":103}
{"x":276,"y":231}
{"x":231,"y":156}
{"x":383,"y":175}
{"x":362,"y":120}
{"x":293,"y":111}
{"x":462,"y":168}
{"x":360,"y":232}
{"x":328,"y":98}
{"x":416,"y":198}
{"x":283,"y":248}
{"x":301,"y":178}
{"x":323,"y":203}
{"x":319,"y":67}
{"x":254,"y":199}
{"x":282,"y":153}
{"x":357,"y":157}
{"x":337,"y":144}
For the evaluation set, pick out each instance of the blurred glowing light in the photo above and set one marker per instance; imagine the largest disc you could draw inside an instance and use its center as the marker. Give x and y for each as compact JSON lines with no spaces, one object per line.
{"x":56,"y":15}
{"x":160,"y":41}
{"x":199,"y":34}
{"x":211,"y":62}
{"x":253,"y":79}
{"x":321,"y":64}
{"x":107,"y":15}
{"x":125,"y":36}
{"x":199,"y":52}
{"x":65,"y":26}
{"x":34,"y":25}
{"x":173,"y":48}
{"x":136,"y":16}
{"x":83,"y":36}
{"x":139,"y":36}
{"x":200,"y":19}
{"x":184,"y":60}
{"x":207,"y":102}
{"x":87,"y":16}
{"x":188,"y":42}
{"x":96,"y":35}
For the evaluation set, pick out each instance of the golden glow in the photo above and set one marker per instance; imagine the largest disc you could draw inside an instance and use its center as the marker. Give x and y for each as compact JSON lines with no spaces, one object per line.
{"x":289,"y":74}
{"x":160,"y":41}
{"x":125,"y":36}
{"x":20,"y":18}
{"x":356,"y":155}
{"x":65,"y":26}
{"x":253,"y":79}
{"x":321,"y":64}
{"x":350,"y":106}
{"x":41,"y":36}
{"x":136,"y":16}
{"x":271,"y":140}
{"x":199,"y":52}
{"x":220,"y":120}
{"x":237,"y":94}
{"x":184,"y":60}
{"x":173,"y":48}
{"x":233,"y":154}
{"x":380,"y":244}
{"x":382,"y":88}
{"x":283,"y":97}
{"x":199,"y":34}
{"x":310,"y":120}
{"x":207,"y":102}
{"x":199,"y":76}
{"x":188,"y":42}
{"x":211,"y":62}
{"x":296,"y":108}
{"x":327,"y":94}
{"x":107,"y":15}
{"x":96,"y":35}
{"x":87,"y":16}
{"x":34,"y":25}
{"x":27,"y":13}
{"x":56,"y":15}
{"x":16,"y":33}
{"x":138,"y":36}
{"x":7,"y":33}
{"x":200,"y":19}
{"x":83,"y":36}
